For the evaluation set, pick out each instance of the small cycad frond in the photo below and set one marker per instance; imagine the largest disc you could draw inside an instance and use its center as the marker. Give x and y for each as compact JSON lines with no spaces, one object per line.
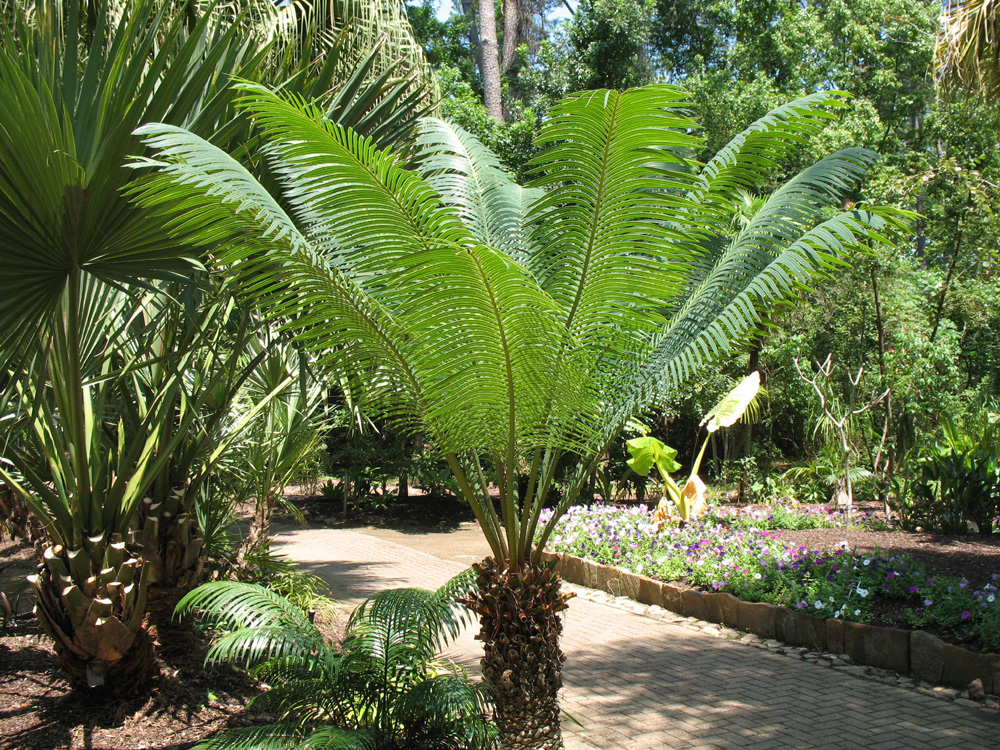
{"x":406,"y":627}
{"x":252,"y":645}
{"x":469,"y":178}
{"x":603,"y":227}
{"x":270,"y":737}
{"x":236,"y":604}
{"x":335,"y":738}
{"x":302,"y":703}
{"x":447,"y":711}
{"x":392,"y":627}
{"x":262,"y":624}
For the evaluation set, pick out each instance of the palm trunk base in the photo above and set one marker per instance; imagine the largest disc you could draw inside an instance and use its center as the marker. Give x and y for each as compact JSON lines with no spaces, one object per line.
{"x":170,"y":541}
{"x":92,"y":601}
{"x":522,"y":662}
{"x":129,"y":676}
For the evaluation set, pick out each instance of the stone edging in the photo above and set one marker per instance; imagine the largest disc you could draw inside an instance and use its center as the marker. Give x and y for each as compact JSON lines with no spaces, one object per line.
{"x":914,"y":653}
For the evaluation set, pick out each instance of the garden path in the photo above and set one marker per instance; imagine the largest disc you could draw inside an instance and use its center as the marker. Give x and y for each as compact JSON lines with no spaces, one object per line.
{"x":634,"y":683}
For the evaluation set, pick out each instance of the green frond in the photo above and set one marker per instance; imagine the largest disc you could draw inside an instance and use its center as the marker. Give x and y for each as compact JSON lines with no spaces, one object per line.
{"x":604,"y":223}
{"x":449,"y":711}
{"x":232,"y":604}
{"x":334,"y":738}
{"x":270,"y":737}
{"x":721,"y":313}
{"x":470,"y":179}
{"x":754,"y":154}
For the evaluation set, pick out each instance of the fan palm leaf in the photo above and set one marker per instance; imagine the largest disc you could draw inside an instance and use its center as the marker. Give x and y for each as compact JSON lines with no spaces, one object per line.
{"x":967,"y":55}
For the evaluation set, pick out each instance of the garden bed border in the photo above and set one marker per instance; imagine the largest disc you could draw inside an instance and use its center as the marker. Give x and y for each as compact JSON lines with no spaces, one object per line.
{"x":907,"y":652}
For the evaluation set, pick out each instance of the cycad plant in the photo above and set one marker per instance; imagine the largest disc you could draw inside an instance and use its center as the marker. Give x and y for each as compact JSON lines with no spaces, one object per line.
{"x":382,"y":689}
{"x":517,"y":327}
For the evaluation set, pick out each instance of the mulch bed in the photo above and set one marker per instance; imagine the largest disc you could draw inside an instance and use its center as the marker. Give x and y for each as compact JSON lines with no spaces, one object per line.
{"x":39,"y":711}
{"x":973,"y":556}
{"x":417,"y":510}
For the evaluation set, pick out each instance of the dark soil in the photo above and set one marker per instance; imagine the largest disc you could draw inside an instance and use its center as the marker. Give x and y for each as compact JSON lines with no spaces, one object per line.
{"x":415,"y":511}
{"x":38,"y":710}
{"x":972,"y":556}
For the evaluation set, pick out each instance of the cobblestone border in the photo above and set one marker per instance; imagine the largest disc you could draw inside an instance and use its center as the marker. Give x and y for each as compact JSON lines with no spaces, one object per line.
{"x":910,"y":659}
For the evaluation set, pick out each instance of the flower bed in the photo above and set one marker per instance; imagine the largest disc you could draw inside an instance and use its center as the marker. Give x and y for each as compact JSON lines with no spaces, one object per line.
{"x":754,"y":564}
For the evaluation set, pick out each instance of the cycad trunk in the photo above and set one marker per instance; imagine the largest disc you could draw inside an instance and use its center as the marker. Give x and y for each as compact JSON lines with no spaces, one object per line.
{"x":522,"y":665}
{"x":91,"y":601}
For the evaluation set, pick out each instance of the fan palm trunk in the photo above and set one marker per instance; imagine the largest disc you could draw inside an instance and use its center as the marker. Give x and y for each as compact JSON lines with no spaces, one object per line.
{"x":92,"y":602}
{"x":522,"y":662}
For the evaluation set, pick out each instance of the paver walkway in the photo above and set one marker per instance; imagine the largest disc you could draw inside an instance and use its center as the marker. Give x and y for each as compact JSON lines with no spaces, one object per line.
{"x":634,"y":683}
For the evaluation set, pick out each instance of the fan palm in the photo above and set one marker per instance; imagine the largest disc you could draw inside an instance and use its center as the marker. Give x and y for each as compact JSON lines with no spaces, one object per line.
{"x":79,"y":261}
{"x":516,"y":326}
{"x":381,"y":689}
{"x":967,"y":54}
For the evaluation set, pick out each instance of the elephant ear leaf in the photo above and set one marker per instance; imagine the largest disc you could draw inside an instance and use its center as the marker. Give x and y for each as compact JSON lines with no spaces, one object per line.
{"x":647,"y":451}
{"x":734,"y":405}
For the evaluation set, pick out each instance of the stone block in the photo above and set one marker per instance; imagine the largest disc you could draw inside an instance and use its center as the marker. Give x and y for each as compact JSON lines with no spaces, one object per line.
{"x":730,"y":610}
{"x":606,"y":578}
{"x":671,"y":598}
{"x":572,"y":569}
{"x":887,"y":648}
{"x":625,"y":584}
{"x":926,"y":656}
{"x":784,"y":625}
{"x":713,"y":606}
{"x":592,"y":574}
{"x":650,"y":591}
{"x":810,"y":631}
{"x":835,"y":635}
{"x":693,"y":604}
{"x":962,"y":667}
{"x":757,"y":618}
{"x":854,"y":641}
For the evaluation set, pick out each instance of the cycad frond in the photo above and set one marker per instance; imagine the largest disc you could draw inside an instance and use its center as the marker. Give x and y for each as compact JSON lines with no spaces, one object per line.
{"x":604,"y":222}
{"x":334,"y":738}
{"x":447,"y":711}
{"x":754,"y":154}
{"x":263,"y":624}
{"x":470,"y":179}
{"x":466,"y":327}
{"x":270,"y":737}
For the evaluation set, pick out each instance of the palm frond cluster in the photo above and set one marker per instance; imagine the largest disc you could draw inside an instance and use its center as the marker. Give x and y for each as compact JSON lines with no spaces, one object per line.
{"x":383,"y":688}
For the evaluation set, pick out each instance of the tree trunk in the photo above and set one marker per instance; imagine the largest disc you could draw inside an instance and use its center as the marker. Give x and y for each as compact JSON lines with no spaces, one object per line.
{"x":489,"y":62}
{"x":474,"y":44}
{"x":522,"y":664}
{"x":172,"y":544}
{"x":91,"y":601}
{"x":513,"y":34}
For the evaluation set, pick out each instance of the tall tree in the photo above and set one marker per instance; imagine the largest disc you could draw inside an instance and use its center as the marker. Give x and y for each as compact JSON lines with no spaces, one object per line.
{"x":489,"y":60}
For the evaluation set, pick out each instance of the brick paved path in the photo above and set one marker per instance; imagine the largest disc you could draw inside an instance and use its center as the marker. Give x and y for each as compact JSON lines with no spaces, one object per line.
{"x":636,"y":683}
